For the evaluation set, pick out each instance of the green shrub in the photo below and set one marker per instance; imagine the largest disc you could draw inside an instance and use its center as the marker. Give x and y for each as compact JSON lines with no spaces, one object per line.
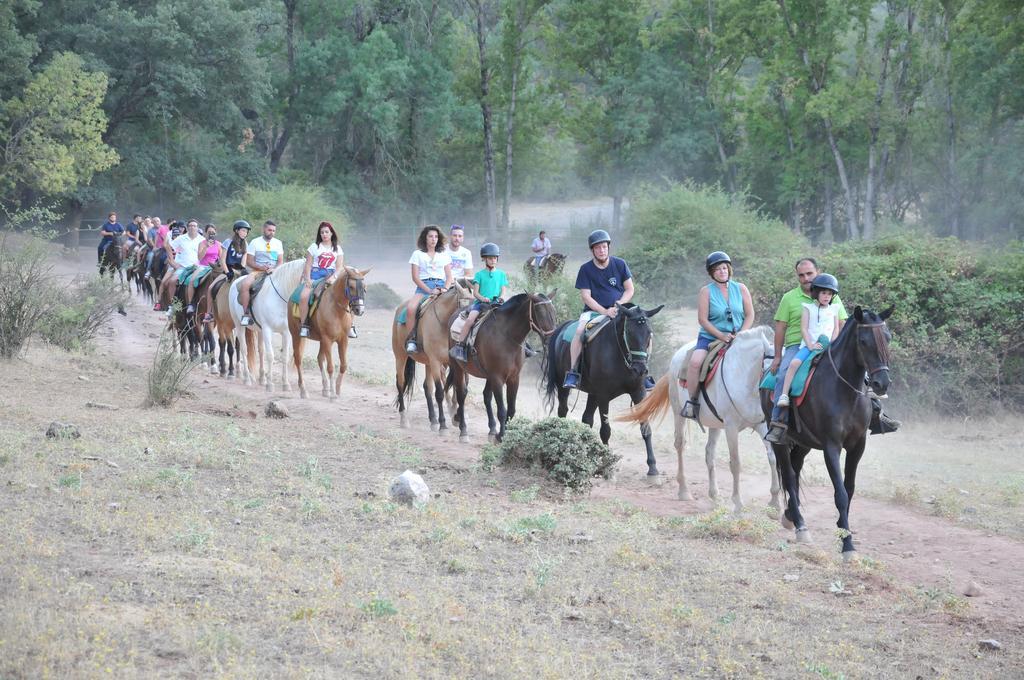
{"x":85,"y":307}
{"x":26,"y":292}
{"x":295,"y":208}
{"x":167,"y":379}
{"x":568,"y":451}
{"x":381,"y":296}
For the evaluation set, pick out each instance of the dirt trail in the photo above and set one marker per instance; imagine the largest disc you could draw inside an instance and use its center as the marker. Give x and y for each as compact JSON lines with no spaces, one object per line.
{"x":916,"y":549}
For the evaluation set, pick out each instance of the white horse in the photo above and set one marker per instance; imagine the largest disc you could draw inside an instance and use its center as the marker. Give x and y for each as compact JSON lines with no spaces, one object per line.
{"x":270,"y":310}
{"x":733,"y":391}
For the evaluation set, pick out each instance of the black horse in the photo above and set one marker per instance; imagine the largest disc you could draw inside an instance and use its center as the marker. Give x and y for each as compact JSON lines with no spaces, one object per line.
{"x":112,"y":257}
{"x":613,"y":363}
{"x":835,"y":415}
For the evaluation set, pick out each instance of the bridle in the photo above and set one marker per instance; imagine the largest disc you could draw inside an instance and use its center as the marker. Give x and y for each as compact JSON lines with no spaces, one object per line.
{"x":360,"y":292}
{"x":533,"y":324}
{"x":880,"y":344}
{"x":629,"y":353}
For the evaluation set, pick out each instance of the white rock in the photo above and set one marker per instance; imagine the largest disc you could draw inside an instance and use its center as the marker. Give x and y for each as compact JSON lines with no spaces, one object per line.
{"x":973,"y":589}
{"x":409,"y":488}
{"x":989,"y":644}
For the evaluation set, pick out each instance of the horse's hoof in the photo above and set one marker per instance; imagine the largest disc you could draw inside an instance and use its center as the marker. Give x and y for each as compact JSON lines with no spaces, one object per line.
{"x":804,"y":536}
{"x":849,"y":556}
{"x":333,"y":397}
{"x":463,"y":438}
{"x":786,"y":522}
{"x":433,"y":427}
{"x":685,"y":495}
{"x":492,"y":437}
{"x":773,"y":512}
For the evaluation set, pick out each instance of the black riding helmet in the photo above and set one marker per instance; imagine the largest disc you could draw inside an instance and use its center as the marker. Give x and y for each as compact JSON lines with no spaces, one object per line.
{"x":240,"y":224}
{"x":598,"y":236}
{"x":716,"y":258}
{"x":824,"y":282}
{"x":490,"y":250}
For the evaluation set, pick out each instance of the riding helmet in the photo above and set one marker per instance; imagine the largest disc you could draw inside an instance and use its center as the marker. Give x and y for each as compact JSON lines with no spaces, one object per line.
{"x":824,"y":282}
{"x":241,"y":224}
{"x":598,"y":236}
{"x":490,"y":250}
{"x":716,"y":258}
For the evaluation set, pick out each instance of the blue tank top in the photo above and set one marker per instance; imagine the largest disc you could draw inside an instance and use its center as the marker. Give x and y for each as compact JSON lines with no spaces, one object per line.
{"x":725,"y":316}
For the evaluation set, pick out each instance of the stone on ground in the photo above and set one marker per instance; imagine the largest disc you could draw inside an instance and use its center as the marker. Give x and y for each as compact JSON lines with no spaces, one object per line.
{"x":58,"y":430}
{"x":276,"y":409}
{"x":409,"y":488}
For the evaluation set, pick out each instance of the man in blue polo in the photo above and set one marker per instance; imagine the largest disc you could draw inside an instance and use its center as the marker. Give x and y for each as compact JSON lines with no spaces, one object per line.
{"x":787,"y":338}
{"x":108,"y":232}
{"x":603,"y":281}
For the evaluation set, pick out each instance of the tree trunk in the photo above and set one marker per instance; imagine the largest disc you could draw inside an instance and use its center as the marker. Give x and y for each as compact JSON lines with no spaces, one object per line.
{"x":280,"y":143}
{"x":844,"y":181}
{"x":828,"y":236}
{"x":75,"y":209}
{"x":616,"y":211}
{"x":509,"y":135}
{"x":873,"y":177}
{"x":952,"y":183}
{"x":485,"y":111}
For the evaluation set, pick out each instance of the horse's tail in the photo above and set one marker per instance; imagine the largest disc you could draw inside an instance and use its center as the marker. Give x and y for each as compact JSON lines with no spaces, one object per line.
{"x":654,"y":405}
{"x":409,"y":376}
{"x":549,"y":370}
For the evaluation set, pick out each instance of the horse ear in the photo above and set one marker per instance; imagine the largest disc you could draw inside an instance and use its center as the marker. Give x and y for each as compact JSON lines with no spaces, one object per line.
{"x":366,"y":271}
{"x":887,"y":313}
{"x":651,"y":312}
{"x":552,"y":294}
{"x":858,"y":314}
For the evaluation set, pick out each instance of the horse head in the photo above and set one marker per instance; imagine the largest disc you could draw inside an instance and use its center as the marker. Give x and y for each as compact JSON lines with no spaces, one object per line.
{"x":355,"y":289}
{"x":543,"y":318}
{"x":636,"y":335}
{"x":872,"y":343}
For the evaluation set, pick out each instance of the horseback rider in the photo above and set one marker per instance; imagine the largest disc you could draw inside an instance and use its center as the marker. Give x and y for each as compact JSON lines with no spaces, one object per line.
{"x":603,"y":281}
{"x":210,"y":250}
{"x":490,"y":287}
{"x":108,"y":232}
{"x":184,"y":254}
{"x":428,"y":263}
{"x":324,"y":259}
{"x":462,"y":259}
{"x":724,"y":308}
{"x":262,"y":255}
{"x":232,"y":256}
{"x":817,"y":318}
{"x":157,"y":235}
{"x":135,"y":236}
{"x":788,"y":337}
{"x":541,"y":248}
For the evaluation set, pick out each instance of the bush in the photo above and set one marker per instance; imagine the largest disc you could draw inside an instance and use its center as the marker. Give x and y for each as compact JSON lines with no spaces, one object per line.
{"x":26,"y":294}
{"x":167,"y":379}
{"x":88,"y":305}
{"x":570,"y":452}
{"x":381,"y":296}
{"x":673,"y":231}
{"x":295,"y":208}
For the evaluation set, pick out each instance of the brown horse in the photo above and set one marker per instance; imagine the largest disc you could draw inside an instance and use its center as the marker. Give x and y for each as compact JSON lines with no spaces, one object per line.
{"x":112,"y":258}
{"x":551,"y":266}
{"x":498,"y":354}
{"x":433,"y":340}
{"x":339,"y":304}
{"x":135,"y":271}
{"x":224,"y":324}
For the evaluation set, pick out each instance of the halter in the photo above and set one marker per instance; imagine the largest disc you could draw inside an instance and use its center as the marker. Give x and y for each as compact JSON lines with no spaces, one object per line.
{"x":359,"y":294}
{"x":533,"y":325}
{"x":883,"y":350}
{"x":634,"y":354}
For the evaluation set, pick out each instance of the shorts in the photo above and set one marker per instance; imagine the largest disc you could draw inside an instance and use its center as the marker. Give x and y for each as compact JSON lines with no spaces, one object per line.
{"x":430,"y":284}
{"x":318,"y":274}
{"x":184,"y":273}
{"x":803,"y":354}
{"x":480,"y":306}
{"x":703,"y":342}
{"x":197,"y":276}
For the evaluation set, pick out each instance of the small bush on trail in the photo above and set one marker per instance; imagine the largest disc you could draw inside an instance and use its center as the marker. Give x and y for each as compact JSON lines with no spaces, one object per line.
{"x":167,"y":379}
{"x":381,"y":296}
{"x":570,"y":452}
{"x":90,"y":303}
{"x":26,"y":294}
{"x":295,"y":208}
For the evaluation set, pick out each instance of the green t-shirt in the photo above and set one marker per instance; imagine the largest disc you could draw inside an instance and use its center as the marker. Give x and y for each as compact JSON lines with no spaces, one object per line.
{"x":490,"y":282}
{"x":791,"y":309}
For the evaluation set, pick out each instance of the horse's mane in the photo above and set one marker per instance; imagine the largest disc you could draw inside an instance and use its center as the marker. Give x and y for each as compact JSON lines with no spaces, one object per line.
{"x":287,"y":276}
{"x":514,"y":301}
{"x":765,"y":331}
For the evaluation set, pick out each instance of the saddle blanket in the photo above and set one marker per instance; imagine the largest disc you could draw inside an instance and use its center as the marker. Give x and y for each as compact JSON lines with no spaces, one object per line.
{"x":596,"y":324}
{"x":803,"y":374}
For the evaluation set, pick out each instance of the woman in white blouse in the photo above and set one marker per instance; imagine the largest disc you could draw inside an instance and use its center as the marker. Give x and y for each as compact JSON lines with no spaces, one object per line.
{"x":431,"y":270}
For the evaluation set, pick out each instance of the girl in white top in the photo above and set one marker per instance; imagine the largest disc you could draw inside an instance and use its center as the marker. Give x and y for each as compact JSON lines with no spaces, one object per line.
{"x":324,"y":259}
{"x":431,"y":270}
{"x":817,"y":319}
{"x":462,"y":259}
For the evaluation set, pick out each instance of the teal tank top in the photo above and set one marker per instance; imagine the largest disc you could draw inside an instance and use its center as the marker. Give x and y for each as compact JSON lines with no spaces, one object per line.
{"x":725,"y":316}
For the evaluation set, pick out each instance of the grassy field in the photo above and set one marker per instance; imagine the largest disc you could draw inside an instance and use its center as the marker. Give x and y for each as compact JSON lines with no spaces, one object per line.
{"x":205,"y":540}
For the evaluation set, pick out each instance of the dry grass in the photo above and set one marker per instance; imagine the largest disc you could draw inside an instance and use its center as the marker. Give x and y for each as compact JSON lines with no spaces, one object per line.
{"x":221,"y":546}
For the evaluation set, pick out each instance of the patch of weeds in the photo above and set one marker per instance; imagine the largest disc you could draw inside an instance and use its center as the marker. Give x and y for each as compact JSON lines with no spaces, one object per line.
{"x":303,"y":614}
{"x":634,"y":559}
{"x":70,"y":482}
{"x":954,"y":605}
{"x":948,"y":505}
{"x":908,"y":494}
{"x":525,"y":527}
{"x":311,"y":507}
{"x":825,"y":672}
{"x":192,"y":539}
{"x":440,"y":535}
{"x":722,"y":524}
{"x":252,"y":504}
{"x":527,"y":495}
{"x":379,"y":607}
{"x":467,"y":523}
{"x":5,"y":458}
{"x":179,"y":479}
{"x":311,"y":471}
{"x":490,"y":457}
{"x":726,"y":618}
{"x":684,"y":614}
{"x":454,"y":566}
{"x":542,"y":569}
{"x":1012,"y":492}
{"x":569,"y":452}
{"x":411,"y":459}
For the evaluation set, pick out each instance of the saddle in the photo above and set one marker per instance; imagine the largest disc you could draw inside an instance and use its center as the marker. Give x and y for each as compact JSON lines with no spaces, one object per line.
{"x":597,"y":323}
{"x":420,"y":310}
{"x":314,"y":299}
{"x":709,"y":367}
{"x":460,"y":322}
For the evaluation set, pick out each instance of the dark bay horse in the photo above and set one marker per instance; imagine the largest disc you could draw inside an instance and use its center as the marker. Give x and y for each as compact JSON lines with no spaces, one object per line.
{"x":497,"y":356}
{"x":613,"y":363}
{"x":113,"y":257}
{"x":551,"y":266}
{"x":835,"y":415}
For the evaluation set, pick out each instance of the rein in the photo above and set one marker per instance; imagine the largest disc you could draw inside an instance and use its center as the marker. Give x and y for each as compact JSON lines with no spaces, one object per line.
{"x":876,"y":330}
{"x":533,"y":324}
{"x":629,"y":353}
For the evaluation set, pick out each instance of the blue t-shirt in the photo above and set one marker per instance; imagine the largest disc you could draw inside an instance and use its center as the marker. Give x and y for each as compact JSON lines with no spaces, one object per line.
{"x":115,"y":228}
{"x":606,"y":285}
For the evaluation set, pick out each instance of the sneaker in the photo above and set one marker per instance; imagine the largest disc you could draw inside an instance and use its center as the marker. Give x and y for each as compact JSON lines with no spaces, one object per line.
{"x":691,"y":409}
{"x":352,"y":332}
{"x":146,"y":276}
{"x":168,"y":314}
{"x":207,"y":318}
{"x":649,"y":382}
{"x":783,"y":401}
{"x":572,"y":381}
{"x":776,"y":433}
{"x":157,"y":307}
{"x":458,"y":352}
{"x":411,"y":347}
{"x":529,"y":351}
{"x":191,"y":309}
{"x":304,"y":331}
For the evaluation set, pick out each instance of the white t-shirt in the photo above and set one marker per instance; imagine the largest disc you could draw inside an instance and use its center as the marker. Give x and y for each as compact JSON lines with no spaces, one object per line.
{"x":324,"y":257}
{"x":266,"y":252}
{"x":544,"y":246}
{"x":430,"y":268}
{"x":820,"y":320}
{"x":462,"y":260}
{"x":186,"y":250}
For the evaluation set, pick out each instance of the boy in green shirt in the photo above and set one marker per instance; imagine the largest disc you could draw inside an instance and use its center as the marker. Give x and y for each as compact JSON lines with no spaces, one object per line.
{"x":490,"y":286}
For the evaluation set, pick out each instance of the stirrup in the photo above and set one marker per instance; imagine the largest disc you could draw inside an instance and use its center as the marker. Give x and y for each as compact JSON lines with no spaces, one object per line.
{"x":777,"y":432}
{"x":572,"y":380}
{"x":411,"y":347}
{"x":458,"y":352}
{"x":691,"y":409}
{"x":245,"y":320}
{"x":304,"y":331}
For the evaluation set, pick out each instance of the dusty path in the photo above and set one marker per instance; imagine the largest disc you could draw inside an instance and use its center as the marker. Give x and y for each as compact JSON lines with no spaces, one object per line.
{"x":916,"y":549}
